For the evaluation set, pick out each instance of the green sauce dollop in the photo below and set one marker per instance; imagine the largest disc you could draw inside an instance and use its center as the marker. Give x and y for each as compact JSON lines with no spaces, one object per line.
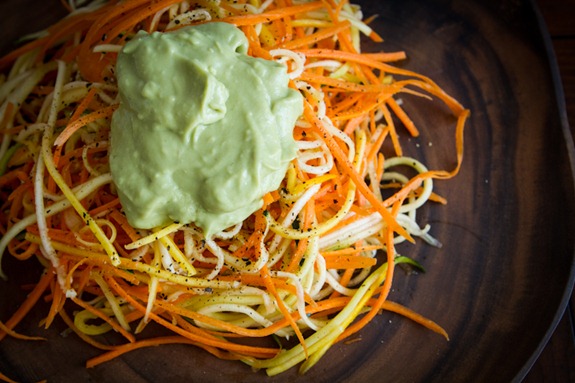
{"x":203,"y":130}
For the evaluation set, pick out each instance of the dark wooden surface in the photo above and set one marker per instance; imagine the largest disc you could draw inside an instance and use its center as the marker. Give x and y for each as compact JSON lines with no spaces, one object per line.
{"x":556,"y":363}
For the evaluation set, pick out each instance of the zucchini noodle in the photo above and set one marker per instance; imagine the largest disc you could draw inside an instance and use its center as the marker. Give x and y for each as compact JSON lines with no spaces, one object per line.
{"x":314,"y":264}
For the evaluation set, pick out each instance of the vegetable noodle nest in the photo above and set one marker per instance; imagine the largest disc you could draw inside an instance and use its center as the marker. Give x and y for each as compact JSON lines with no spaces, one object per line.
{"x":315,"y":263}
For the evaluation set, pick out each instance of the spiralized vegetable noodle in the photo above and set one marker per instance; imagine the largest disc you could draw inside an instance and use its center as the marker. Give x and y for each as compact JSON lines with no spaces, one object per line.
{"x":316,"y":262}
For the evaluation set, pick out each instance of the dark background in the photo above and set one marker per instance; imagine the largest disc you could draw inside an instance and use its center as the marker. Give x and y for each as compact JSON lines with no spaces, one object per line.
{"x":557,"y":361}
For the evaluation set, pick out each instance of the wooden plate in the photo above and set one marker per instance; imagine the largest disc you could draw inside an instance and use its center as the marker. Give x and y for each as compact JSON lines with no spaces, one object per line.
{"x":502,"y":278}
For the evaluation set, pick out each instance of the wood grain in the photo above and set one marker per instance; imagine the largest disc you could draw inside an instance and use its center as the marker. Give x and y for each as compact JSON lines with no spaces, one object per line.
{"x":497,"y":283}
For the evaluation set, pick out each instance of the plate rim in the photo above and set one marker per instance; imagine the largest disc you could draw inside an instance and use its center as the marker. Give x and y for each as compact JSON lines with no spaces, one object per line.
{"x":561,"y":110}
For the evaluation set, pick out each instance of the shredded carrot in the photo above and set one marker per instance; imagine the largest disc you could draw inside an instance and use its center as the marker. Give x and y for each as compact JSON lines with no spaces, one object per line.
{"x":213,"y":341}
{"x":271,"y":288}
{"x":82,"y":121}
{"x":14,"y":334}
{"x":316,"y":37}
{"x":360,"y":183}
{"x":253,"y":19}
{"x":28,"y":304}
{"x":409,"y":125}
{"x":289,"y":269}
{"x":6,"y":379}
{"x":140,"y":344}
{"x":57,"y":304}
{"x":404,"y":311}
{"x":342,"y":262}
